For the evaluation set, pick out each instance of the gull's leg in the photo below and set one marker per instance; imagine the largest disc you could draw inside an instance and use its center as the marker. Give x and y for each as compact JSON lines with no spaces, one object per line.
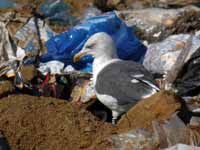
{"x":115,"y":115}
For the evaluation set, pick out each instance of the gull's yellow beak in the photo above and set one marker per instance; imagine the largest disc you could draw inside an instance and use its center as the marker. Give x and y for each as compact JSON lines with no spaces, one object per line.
{"x":78,"y":56}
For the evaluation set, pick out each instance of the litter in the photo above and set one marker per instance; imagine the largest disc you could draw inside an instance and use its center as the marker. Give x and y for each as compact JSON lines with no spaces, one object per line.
{"x":64,"y":46}
{"x":58,"y":13}
{"x":193,"y":103}
{"x":91,"y":12}
{"x":135,"y":139}
{"x":83,"y":91}
{"x":8,"y":48}
{"x":7,"y":4}
{"x":26,"y":37}
{"x":155,"y":24}
{"x":159,"y":105}
{"x":173,"y":131}
{"x":54,"y":67}
{"x":161,"y":57}
{"x":195,"y":121}
{"x":183,"y":147}
{"x":187,"y":82}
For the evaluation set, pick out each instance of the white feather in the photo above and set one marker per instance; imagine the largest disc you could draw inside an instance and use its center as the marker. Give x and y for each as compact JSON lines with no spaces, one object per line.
{"x":134,"y":81}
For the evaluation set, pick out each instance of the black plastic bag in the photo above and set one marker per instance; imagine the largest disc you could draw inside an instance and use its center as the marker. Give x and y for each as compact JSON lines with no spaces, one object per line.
{"x":188,"y":80}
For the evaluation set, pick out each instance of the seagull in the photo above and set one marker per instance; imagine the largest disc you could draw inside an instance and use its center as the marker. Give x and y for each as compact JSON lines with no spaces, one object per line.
{"x":118,"y":84}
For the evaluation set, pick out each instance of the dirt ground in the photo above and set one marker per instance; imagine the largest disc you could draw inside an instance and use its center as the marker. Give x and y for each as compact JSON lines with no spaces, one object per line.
{"x":40,"y":123}
{"x":160,"y":106}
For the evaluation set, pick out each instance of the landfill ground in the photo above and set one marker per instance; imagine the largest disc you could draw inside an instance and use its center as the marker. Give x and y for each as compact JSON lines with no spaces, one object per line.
{"x":48,"y":101}
{"x":30,"y":122}
{"x":39,"y":123}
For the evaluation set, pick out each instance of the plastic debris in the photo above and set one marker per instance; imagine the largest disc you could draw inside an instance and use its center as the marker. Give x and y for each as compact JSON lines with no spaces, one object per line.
{"x":163,"y":121}
{"x":83,"y":92}
{"x":10,"y":53}
{"x":187,"y":82}
{"x":64,"y":46}
{"x":91,"y":12}
{"x":155,"y":24}
{"x":173,"y":131}
{"x":58,"y":13}
{"x":69,"y":68}
{"x":183,"y":147}
{"x":27,"y":36}
{"x":8,"y":48}
{"x":106,"y":5}
{"x":54,"y":67}
{"x":161,"y":57}
{"x":8,"y":68}
{"x":195,"y":121}
{"x":7,"y":4}
{"x":135,"y":140}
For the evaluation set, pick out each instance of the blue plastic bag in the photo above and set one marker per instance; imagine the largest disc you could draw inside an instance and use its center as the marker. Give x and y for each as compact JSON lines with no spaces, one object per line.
{"x":64,"y":46}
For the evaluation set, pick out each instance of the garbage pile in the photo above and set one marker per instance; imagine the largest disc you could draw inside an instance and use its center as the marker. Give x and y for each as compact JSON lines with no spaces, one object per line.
{"x":97,"y":74}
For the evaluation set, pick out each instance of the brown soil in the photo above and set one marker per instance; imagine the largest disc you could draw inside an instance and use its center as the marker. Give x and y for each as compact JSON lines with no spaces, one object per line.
{"x":41,"y":123}
{"x":160,"y":106}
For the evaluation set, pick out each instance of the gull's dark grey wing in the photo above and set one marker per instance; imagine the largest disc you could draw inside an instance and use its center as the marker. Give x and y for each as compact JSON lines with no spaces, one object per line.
{"x":126,"y":81}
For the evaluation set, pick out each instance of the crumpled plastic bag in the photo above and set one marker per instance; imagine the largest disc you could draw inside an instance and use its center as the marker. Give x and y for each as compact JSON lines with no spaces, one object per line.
{"x":91,"y":12}
{"x":155,"y":24}
{"x":58,"y":12}
{"x":27,"y":36}
{"x":183,"y":147}
{"x":7,"y":47}
{"x":83,"y":91}
{"x":53,"y":67}
{"x":135,"y":140}
{"x":64,"y":46}
{"x":188,"y":81}
{"x":9,"y":52}
{"x":173,"y":131}
{"x":161,"y":57}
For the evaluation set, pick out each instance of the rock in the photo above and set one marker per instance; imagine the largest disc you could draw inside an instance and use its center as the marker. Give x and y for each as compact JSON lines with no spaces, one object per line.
{"x":157,"y":107}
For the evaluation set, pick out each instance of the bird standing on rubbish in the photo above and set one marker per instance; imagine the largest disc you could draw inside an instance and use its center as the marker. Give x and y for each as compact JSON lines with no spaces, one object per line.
{"x":118,"y":84}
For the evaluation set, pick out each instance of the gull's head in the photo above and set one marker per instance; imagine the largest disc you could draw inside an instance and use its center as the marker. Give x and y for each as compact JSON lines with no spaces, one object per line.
{"x":98,"y":45}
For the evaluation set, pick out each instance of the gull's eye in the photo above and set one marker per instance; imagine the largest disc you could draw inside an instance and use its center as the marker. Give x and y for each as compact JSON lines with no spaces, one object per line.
{"x":90,"y":46}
